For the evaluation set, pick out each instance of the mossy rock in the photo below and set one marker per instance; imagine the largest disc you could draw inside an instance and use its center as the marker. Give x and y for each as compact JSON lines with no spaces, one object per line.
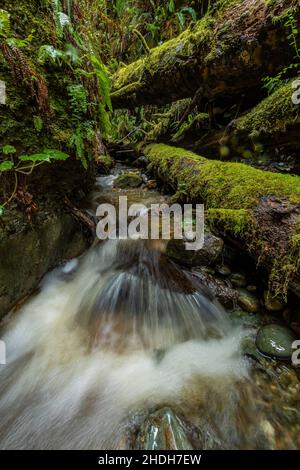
{"x":105,"y":163}
{"x":128,"y":180}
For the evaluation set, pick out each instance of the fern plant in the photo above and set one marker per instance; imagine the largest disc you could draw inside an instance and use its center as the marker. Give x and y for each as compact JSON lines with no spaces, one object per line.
{"x":4,"y":24}
{"x":272,"y":83}
{"x":77,"y":142}
{"x":78,"y":101}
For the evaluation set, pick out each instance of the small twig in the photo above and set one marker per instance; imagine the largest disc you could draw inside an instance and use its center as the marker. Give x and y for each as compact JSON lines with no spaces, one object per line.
{"x":14,"y":191}
{"x":191,"y":106}
{"x":81,"y":216}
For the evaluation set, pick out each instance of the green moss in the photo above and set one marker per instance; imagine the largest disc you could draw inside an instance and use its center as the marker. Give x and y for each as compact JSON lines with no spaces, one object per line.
{"x":105,"y":163}
{"x":238,"y":222}
{"x":40,"y":92}
{"x":219,"y":184}
{"x":274,"y":114}
{"x":232,"y":192}
{"x":188,"y":43}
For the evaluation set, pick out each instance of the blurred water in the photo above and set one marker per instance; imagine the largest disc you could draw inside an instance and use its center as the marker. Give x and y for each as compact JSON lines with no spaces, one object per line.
{"x":113,"y":334}
{"x":108,"y":334}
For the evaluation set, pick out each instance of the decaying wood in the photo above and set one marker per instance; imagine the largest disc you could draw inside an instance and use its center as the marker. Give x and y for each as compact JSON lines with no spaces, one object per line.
{"x":258,"y":208}
{"x":227,"y":55}
{"x":81,"y":216}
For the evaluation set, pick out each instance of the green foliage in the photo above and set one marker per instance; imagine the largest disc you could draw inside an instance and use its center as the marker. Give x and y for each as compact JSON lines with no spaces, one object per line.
{"x":38,"y":123}
{"x":46,"y":155}
{"x":273,"y":83}
{"x":77,"y":142}
{"x":8,"y":149}
{"x":183,"y":14}
{"x":61,"y":20}
{"x":103,"y":81}
{"x":5,"y":32}
{"x":7,"y":165}
{"x":291,"y":26}
{"x":78,"y":101}
{"x":49,"y":54}
{"x":4,"y":23}
{"x":120,"y":7}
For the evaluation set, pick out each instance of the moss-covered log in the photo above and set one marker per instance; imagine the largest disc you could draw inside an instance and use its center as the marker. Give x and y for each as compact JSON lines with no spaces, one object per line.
{"x":272,"y":124}
{"x":259,"y":209}
{"x":225,"y":54}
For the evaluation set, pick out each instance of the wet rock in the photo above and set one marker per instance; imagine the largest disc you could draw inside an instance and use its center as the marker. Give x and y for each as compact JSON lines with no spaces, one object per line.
{"x":224,"y":270}
{"x":275,"y":341}
{"x":249,"y":348}
{"x":141,"y":162}
{"x":162,"y":430}
{"x":207,"y":270}
{"x":104,"y":163}
{"x":208,"y":255}
{"x":248,"y":301}
{"x":151,"y":184}
{"x":238,"y":280}
{"x":272,"y":304}
{"x":251,"y":288}
{"x":32,"y":250}
{"x":128,"y":180}
{"x":226,"y":295}
{"x":241,"y":318}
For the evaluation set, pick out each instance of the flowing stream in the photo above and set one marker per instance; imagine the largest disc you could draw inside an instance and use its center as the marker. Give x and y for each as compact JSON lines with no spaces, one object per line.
{"x":117,"y":334}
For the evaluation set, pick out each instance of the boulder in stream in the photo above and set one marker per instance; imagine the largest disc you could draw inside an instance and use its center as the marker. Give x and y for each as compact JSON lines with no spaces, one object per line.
{"x":247,"y":301}
{"x":273,"y":304}
{"x":275,"y":341}
{"x":208,"y":255}
{"x":128,"y":180}
{"x":238,"y":280}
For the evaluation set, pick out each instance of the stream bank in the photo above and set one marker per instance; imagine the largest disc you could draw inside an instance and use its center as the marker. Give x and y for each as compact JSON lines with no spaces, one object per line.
{"x":124,"y":336}
{"x":39,"y":231}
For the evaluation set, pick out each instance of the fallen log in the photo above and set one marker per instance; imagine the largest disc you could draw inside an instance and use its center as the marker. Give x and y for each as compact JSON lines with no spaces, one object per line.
{"x":226,"y":54}
{"x":259,"y":209}
{"x":270,"y":130}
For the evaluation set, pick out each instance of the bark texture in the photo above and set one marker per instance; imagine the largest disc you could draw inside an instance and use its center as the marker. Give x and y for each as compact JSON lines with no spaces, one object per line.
{"x":225,"y":55}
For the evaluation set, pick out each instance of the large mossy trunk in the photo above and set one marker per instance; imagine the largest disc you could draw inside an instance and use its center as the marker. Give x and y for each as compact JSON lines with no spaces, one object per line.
{"x":271,"y":127}
{"x":257,"y":209}
{"x":223,"y":56}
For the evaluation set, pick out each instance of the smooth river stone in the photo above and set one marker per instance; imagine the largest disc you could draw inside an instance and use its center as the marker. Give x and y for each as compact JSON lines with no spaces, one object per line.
{"x":162,"y":430}
{"x":247,"y":301}
{"x":275,"y":341}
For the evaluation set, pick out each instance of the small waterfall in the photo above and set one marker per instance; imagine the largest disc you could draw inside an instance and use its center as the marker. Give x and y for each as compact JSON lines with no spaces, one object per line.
{"x":121,"y":329}
{"x":112,"y":336}
{"x":142,"y":297}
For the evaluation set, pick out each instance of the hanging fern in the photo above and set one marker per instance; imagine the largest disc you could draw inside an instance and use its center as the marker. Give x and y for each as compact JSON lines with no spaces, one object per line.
{"x":120,"y":7}
{"x":103,"y":81}
{"x":77,"y":142}
{"x":4,"y":24}
{"x":78,"y":101}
